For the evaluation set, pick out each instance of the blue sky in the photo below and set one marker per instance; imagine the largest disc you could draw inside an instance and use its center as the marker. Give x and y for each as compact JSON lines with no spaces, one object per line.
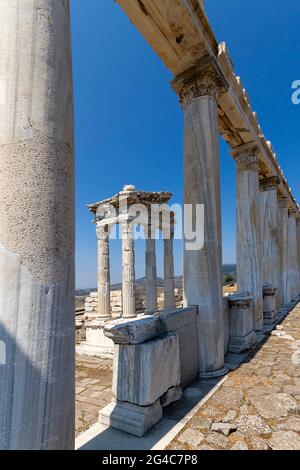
{"x":129,"y":126}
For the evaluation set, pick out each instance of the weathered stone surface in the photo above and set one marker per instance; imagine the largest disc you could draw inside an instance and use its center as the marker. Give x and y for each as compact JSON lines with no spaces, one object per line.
{"x":284,"y":440}
{"x":217,"y":440}
{"x":229,"y":417}
{"x":191,"y":437}
{"x":240,"y":445}
{"x":252,"y":425}
{"x":223,"y":428}
{"x":291,"y":424}
{"x":274,"y":405}
{"x":184,"y":323}
{"x":135,"y":331}
{"x":172,"y":395}
{"x":131,"y":418}
{"x":144,"y":372}
{"x":201,"y":422}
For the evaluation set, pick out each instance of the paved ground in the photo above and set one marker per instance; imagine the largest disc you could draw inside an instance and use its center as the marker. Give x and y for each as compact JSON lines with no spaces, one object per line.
{"x":258,"y":405}
{"x":93,"y":389}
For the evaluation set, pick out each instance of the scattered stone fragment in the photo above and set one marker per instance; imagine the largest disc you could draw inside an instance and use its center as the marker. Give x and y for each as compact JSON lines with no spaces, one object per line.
{"x":201,"y":422}
{"x":230,"y":416}
{"x":217,"y":440}
{"x":275,"y":405}
{"x":240,"y":445}
{"x":191,"y":437}
{"x":285,"y":440}
{"x":224,"y":428}
{"x":282,"y":335}
{"x":252,"y":425}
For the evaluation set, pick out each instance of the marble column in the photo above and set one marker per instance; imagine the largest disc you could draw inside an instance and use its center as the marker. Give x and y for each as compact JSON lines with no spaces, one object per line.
{"x":199,"y":92}
{"x":104,"y":310}
{"x":169,"y":270}
{"x":269,"y":233}
{"x":151,"y":277}
{"x":283,"y":248}
{"x":37,"y":321}
{"x":249,"y":265}
{"x":292,"y":257}
{"x":298,"y":249}
{"x":128,"y":270}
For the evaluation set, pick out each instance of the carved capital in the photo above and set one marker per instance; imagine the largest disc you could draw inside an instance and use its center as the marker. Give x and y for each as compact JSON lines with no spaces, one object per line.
{"x":195,"y":84}
{"x":267,"y":184}
{"x":283,"y":203}
{"x":246,"y":154}
{"x":102,"y":232}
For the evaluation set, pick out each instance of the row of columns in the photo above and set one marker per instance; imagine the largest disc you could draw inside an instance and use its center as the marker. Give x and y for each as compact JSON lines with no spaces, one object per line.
{"x":268,"y":240}
{"x":128,"y":271}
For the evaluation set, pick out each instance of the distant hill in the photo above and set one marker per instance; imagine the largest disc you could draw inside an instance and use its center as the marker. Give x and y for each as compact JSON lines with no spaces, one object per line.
{"x":226,"y":269}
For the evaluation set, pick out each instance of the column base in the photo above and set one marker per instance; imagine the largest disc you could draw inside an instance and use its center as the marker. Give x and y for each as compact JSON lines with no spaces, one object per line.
{"x":270,"y":318}
{"x":238,"y":344}
{"x":213,"y":374}
{"x":130,"y":418}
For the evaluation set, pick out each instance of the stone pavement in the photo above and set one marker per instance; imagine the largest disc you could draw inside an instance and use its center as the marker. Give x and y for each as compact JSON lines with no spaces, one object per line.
{"x":258,"y":405}
{"x":93,"y":389}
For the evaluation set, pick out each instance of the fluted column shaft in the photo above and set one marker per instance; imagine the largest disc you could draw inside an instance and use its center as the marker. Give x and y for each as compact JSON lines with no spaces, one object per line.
{"x":169,"y":270}
{"x":128,"y":270}
{"x":269,"y":233}
{"x":292,"y":257}
{"x":298,"y":250}
{"x":104,"y":310}
{"x":37,"y":320}
{"x":283,"y":248}
{"x":151,"y":276}
{"x":249,"y":266}
{"x":203,"y":266}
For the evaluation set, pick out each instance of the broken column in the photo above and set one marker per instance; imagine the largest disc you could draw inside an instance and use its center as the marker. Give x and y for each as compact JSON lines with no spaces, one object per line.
{"x":199,"y":90}
{"x":37,"y":321}
{"x":146,"y":374}
{"x":249,"y":262}
{"x":241,"y":325}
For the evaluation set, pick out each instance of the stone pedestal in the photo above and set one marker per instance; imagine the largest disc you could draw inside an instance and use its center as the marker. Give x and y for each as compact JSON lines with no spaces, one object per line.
{"x":130,"y":418}
{"x":198,"y":91}
{"x":249,"y":253}
{"x":146,"y":368}
{"x":96,"y":343}
{"x":37,"y":325}
{"x":269,"y":304}
{"x":241,"y":332}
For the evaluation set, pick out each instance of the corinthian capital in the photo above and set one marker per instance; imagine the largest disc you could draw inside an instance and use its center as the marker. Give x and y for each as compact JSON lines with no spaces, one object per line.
{"x":246,"y":154}
{"x":195,"y":83}
{"x":267,"y":184}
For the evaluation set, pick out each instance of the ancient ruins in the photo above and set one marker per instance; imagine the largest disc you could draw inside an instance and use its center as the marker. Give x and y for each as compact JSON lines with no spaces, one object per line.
{"x":156,"y":354}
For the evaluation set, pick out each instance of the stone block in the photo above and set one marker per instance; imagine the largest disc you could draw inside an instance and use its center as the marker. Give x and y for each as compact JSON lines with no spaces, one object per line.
{"x":144,"y":372}
{"x":241,"y":333}
{"x":134,"y":331}
{"x":134,"y":419}
{"x":183,"y":322}
{"x":172,"y":395}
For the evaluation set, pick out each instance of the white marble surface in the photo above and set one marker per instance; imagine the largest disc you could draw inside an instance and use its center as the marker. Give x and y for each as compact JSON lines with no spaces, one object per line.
{"x":144,"y":372}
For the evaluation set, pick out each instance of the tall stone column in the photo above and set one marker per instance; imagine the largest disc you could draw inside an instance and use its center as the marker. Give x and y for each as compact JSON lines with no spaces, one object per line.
{"x":37,"y":321}
{"x":249,"y":265}
{"x":104,"y":310}
{"x":269,"y":233}
{"x":169,"y":270}
{"x":151,"y":277}
{"x":283,"y":247}
{"x":292,"y":257}
{"x":199,"y":92}
{"x":128,"y":270}
{"x":298,"y":249}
